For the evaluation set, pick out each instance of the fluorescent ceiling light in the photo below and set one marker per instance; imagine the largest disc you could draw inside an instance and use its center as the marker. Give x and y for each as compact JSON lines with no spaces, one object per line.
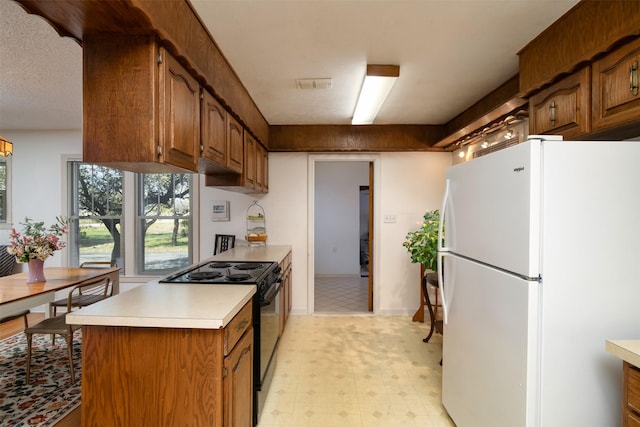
{"x":377,"y":85}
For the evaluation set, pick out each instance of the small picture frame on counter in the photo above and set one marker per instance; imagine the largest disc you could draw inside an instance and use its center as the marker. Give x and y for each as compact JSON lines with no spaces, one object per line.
{"x":220,"y":210}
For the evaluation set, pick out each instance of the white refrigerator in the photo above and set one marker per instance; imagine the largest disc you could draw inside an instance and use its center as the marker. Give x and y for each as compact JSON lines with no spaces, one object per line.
{"x":540,"y":266}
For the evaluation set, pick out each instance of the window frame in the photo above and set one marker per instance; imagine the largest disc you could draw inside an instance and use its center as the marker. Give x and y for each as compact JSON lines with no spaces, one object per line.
{"x":7,"y":222}
{"x":128,"y":269}
{"x":73,"y":253}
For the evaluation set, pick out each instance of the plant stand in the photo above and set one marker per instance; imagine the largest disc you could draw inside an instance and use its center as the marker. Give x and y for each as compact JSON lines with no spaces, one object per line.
{"x":424,"y":298}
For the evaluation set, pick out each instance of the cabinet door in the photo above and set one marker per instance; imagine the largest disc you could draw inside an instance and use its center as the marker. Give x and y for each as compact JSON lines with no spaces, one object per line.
{"x":287,"y":294}
{"x":213,"y":130}
{"x":179,"y":114}
{"x":235,"y":144}
{"x":238,"y":383}
{"x":563,"y":108}
{"x":261,"y":167}
{"x":616,"y":98}
{"x":249,"y":175}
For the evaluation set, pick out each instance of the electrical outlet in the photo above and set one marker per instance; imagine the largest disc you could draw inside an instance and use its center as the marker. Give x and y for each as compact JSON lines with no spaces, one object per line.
{"x":390,"y":218}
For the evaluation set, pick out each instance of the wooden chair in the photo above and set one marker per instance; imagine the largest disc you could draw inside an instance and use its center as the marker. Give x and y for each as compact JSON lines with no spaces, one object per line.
{"x":58,"y":325}
{"x":223,"y":242}
{"x":22,"y":314}
{"x":89,"y":296}
{"x":98,"y":264}
{"x":7,"y":261}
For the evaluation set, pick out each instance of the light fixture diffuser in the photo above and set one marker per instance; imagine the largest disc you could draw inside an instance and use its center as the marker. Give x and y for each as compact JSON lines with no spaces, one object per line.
{"x":6,"y":147}
{"x":375,"y":88}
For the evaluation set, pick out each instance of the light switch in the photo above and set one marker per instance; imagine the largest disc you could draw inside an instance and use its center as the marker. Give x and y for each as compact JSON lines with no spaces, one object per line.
{"x":390,"y":218}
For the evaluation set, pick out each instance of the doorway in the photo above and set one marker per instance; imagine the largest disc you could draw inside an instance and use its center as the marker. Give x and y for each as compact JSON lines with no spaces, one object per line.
{"x":343,"y":201}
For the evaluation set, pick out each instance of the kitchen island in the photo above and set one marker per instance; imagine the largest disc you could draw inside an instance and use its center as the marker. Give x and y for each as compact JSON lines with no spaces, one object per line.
{"x":167,"y":354}
{"x":629,"y":352}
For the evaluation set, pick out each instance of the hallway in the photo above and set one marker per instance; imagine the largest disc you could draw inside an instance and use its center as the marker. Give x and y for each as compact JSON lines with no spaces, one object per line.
{"x":341,"y":294}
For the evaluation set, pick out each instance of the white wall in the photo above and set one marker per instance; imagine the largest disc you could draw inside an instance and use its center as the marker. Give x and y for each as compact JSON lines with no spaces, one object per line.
{"x":411,"y":184}
{"x":407,"y":185}
{"x":37,"y":174}
{"x":337,"y":216}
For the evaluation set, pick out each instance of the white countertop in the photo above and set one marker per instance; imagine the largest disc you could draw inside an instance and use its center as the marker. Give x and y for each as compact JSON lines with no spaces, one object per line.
{"x":274,"y":253}
{"x":627,"y":350}
{"x":167,"y":305}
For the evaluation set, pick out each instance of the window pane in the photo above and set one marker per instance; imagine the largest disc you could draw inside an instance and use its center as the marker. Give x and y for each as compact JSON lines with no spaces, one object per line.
{"x":166,"y":245}
{"x":99,"y":190}
{"x":164,"y":222}
{"x":96,"y":242}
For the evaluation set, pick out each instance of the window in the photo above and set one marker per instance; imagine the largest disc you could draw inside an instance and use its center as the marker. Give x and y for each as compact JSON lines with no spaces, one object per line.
{"x":4,"y":185}
{"x":164,"y":222}
{"x":95,"y":214}
{"x":158,"y":224}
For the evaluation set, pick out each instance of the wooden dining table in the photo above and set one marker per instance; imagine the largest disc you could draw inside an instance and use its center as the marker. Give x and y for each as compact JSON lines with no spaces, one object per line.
{"x":17,"y":295}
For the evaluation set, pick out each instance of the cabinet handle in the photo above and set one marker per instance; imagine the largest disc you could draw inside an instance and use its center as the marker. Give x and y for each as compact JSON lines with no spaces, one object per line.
{"x":633,"y":78}
{"x":552,"y":112}
{"x":242,"y":324}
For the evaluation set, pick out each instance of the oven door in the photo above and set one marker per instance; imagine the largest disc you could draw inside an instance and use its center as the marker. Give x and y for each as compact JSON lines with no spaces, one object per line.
{"x":269,"y":334}
{"x":269,"y":327}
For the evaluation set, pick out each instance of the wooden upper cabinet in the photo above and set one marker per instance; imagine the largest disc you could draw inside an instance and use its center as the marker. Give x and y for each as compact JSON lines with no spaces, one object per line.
{"x":213,"y":130}
{"x":235,"y":148}
{"x":179,"y":114}
{"x":616,"y":97}
{"x":262,"y":169}
{"x":140,"y":107}
{"x":563,"y":108}
{"x":249,"y":161}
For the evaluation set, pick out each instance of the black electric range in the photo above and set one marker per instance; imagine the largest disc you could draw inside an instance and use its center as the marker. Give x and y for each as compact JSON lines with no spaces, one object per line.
{"x":262,"y":274}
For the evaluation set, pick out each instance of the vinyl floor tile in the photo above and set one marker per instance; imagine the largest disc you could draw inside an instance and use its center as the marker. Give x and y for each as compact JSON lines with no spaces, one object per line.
{"x":352,"y":371}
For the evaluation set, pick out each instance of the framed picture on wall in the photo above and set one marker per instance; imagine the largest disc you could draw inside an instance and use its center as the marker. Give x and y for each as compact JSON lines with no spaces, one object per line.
{"x":220,"y":210}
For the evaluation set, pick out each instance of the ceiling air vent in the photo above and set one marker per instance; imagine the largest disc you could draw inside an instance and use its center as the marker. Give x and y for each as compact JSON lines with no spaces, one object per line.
{"x":314,"y":83}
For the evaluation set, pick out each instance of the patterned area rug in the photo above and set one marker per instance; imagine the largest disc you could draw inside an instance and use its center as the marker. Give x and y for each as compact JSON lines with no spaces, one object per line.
{"x":50,"y":396}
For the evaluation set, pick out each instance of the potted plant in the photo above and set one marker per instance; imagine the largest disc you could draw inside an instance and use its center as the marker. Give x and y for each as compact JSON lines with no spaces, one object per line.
{"x":422,"y":244}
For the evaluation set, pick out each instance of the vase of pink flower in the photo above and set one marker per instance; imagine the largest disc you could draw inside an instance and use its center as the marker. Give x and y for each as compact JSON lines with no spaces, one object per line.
{"x":35,"y":244}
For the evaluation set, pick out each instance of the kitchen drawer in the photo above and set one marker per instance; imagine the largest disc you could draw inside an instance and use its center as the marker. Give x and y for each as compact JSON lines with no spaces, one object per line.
{"x":632,"y":420}
{"x":237,"y":327}
{"x":633,"y":389}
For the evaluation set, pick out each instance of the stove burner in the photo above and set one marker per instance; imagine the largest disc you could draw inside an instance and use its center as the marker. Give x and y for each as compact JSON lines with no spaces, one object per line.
{"x":219,"y":265}
{"x":238,"y":277}
{"x":248,"y":266}
{"x":204,"y":275}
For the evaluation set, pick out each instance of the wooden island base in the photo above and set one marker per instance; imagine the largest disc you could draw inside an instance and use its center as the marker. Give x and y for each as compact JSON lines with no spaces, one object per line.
{"x":135,"y":376}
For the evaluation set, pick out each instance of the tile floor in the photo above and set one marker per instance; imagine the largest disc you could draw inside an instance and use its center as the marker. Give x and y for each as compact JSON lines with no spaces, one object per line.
{"x":341,"y":294}
{"x":356,"y":371}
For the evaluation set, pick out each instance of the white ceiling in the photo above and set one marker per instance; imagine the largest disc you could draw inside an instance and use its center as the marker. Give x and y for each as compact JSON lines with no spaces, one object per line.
{"x":451,"y":53}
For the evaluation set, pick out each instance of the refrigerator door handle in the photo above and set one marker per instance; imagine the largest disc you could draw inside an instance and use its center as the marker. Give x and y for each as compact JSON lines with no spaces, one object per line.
{"x":443,"y":293}
{"x":443,"y":211}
